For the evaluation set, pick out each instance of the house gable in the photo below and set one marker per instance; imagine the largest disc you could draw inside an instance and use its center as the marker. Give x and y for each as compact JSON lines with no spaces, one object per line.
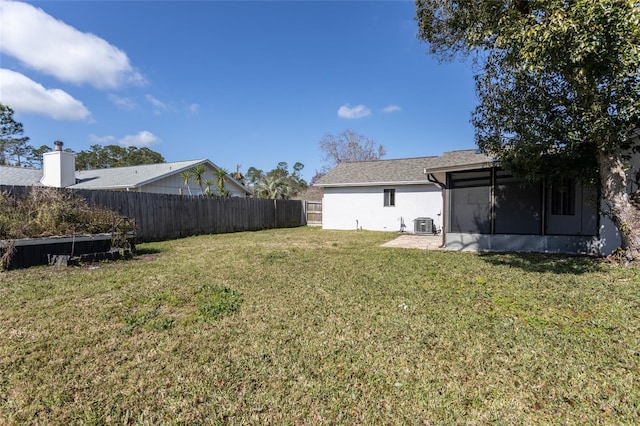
{"x":158,"y":178}
{"x":131,"y":177}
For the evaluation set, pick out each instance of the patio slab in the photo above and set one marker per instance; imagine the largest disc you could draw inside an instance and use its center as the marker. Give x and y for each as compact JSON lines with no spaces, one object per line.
{"x":422,"y":242}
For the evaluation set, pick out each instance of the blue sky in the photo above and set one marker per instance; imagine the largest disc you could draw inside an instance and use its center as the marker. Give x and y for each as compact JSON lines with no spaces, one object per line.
{"x":249,"y":83}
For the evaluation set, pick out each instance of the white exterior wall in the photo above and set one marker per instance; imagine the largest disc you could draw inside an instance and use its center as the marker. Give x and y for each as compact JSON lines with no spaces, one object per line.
{"x":59,"y":169}
{"x":348,"y":207}
{"x":609,"y":236}
{"x":168,"y":185}
{"x":174,"y":184}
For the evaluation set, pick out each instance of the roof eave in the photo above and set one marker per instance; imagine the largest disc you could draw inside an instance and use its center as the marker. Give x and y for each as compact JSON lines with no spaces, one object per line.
{"x":462,"y":167}
{"x":103,"y":188}
{"x":389,"y":183}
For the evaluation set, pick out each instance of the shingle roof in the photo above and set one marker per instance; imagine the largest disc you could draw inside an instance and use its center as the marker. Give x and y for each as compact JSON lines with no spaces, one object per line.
{"x":404,"y":171}
{"x":131,"y":176}
{"x":460,"y":160}
{"x":112,"y":178}
{"x":19,"y":176}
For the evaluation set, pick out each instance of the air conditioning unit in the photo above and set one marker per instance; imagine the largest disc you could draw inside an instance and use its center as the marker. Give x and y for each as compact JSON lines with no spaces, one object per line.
{"x":423,"y":225}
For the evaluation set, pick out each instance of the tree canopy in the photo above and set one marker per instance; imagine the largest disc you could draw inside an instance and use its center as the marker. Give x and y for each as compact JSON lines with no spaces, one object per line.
{"x":14,"y":149}
{"x":102,"y":157}
{"x":349,"y":146}
{"x":278,"y":183}
{"x":558,"y":84}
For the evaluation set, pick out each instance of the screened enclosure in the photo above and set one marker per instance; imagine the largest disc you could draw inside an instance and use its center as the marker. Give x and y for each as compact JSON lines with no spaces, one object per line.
{"x":492,"y":201}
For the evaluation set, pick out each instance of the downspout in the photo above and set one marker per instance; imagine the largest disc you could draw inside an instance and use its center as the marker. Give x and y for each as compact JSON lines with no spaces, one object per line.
{"x":432,"y":179}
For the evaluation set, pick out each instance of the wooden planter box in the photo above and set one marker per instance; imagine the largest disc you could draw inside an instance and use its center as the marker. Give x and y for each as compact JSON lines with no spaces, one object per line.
{"x":62,"y":250}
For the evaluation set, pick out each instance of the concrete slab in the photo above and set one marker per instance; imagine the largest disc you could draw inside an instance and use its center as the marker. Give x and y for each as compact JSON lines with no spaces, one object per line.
{"x":422,"y":242}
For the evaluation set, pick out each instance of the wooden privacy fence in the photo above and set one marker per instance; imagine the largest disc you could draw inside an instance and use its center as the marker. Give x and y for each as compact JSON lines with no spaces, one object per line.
{"x":313,"y":211}
{"x":164,"y":217}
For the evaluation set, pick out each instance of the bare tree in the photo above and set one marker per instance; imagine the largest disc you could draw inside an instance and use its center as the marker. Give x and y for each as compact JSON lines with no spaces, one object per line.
{"x":348,"y":146}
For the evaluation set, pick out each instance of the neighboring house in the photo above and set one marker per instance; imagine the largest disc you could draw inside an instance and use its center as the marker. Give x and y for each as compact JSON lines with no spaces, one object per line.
{"x":380,"y":195}
{"x":483,"y":207}
{"x":164,"y":178}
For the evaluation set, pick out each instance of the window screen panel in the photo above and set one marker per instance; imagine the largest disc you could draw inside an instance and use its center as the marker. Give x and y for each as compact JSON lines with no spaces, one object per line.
{"x":518,"y":206}
{"x":470,"y":202}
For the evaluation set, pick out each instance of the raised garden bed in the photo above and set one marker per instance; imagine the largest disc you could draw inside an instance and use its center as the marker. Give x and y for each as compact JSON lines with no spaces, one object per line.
{"x":26,"y":252}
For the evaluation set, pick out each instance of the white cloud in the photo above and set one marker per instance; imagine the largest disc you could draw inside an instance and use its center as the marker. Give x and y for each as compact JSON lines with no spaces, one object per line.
{"x":194,"y":109}
{"x":158,"y":105}
{"x":52,"y":47}
{"x":391,"y":108}
{"x":358,"y":111}
{"x":25,"y":95}
{"x":103,"y":140}
{"x":143,"y":138}
{"x":124,"y":103}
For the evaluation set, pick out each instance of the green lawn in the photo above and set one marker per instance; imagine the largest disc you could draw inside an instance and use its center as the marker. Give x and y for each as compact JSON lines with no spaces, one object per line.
{"x":306,"y":326}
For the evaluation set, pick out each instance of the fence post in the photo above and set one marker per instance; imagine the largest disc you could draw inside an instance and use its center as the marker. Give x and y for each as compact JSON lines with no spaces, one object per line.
{"x":275,"y":213}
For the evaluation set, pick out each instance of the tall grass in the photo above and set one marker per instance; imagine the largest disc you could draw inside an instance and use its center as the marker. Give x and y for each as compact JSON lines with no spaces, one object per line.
{"x":49,"y":211}
{"x":307,"y":326}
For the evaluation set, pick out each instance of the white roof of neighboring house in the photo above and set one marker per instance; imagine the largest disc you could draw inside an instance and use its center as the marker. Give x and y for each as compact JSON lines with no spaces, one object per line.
{"x":111,"y":178}
{"x":404,"y":171}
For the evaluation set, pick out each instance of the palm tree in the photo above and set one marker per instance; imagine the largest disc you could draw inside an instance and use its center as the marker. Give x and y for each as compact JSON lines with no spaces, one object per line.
{"x":198,"y":172}
{"x":221,"y":175}
{"x":273,"y":187}
{"x":208,"y":183}
{"x":186,"y":177}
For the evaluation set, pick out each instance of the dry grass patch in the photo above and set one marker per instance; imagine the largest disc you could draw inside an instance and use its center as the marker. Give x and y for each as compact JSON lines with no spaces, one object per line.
{"x":320,"y":327}
{"x":45,"y":212}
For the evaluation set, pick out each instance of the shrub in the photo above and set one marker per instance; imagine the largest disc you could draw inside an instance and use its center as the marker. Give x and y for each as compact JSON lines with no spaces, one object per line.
{"x":45,"y":212}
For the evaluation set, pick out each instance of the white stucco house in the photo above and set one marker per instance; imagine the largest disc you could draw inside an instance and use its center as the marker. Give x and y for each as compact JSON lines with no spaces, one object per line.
{"x":381,"y":195}
{"x":391,"y":195}
{"x":164,"y":178}
{"x":478,"y":205}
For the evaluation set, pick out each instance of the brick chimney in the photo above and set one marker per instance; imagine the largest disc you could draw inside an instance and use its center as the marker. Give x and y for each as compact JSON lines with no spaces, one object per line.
{"x":59,"y":167}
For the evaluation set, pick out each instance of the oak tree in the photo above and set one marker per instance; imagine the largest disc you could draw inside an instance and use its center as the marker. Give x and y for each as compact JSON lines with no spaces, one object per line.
{"x":558,"y":83}
{"x":102,"y":157}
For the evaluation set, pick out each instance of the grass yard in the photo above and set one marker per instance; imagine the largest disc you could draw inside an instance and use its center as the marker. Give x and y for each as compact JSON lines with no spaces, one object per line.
{"x":305,"y":326}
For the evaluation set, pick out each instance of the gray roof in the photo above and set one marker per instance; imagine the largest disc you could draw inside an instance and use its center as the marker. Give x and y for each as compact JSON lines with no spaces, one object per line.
{"x":466,"y":159}
{"x":403,"y":171}
{"x":131,"y":176}
{"x":111,"y":178}
{"x":19,"y":176}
